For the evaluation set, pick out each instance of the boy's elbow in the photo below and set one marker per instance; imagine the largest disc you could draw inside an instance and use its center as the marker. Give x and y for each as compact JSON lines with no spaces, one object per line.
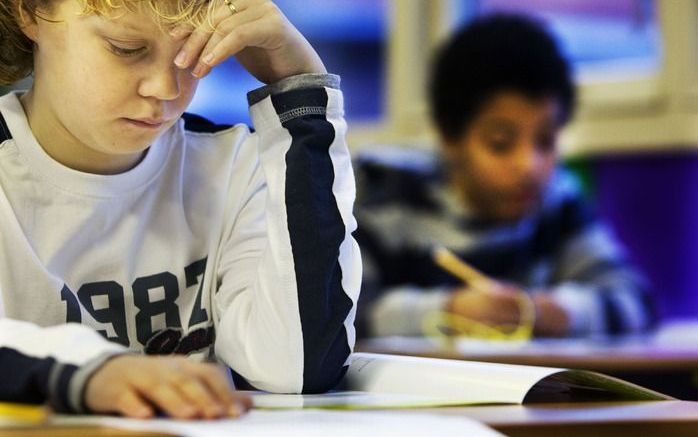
{"x":324,"y":367}
{"x":313,"y":382}
{"x":323,"y":380}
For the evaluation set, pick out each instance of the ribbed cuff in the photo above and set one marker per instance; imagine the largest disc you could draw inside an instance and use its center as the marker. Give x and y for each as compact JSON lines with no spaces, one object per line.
{"x":300,"y":81}
{"x":59,"y":382}
{"x":68,"y":382}
{"x":401,"y":311}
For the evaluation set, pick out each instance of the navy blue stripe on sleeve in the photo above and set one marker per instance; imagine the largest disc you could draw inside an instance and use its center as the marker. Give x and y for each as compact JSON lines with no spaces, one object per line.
{"x":316,"y":231}
{"x":59,"y":386}
{"x":33,"y":380}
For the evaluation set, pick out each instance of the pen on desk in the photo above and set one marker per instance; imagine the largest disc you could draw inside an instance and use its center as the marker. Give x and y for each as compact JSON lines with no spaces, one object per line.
{"x":475,"y":279}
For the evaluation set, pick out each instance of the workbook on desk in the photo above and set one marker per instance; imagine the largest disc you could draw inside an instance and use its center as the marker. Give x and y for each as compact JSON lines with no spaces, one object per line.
{"x":392,"y":381}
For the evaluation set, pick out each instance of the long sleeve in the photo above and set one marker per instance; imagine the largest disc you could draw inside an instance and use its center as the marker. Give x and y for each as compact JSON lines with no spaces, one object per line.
{"x":290,"y":271}
{"x":52,"y":365}
{"x":598,"y":288}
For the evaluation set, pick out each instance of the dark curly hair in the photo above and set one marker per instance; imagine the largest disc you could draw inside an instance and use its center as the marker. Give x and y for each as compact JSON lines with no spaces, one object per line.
{"x":494,"y":53}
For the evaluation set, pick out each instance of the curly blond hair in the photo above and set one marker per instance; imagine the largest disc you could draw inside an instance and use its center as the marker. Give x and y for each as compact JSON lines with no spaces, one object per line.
{"x":17,"y":51}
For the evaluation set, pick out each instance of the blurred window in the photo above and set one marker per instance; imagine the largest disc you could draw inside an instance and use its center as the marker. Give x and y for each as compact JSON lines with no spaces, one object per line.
{"x":599,"y":36}
{"x":349,"y":35}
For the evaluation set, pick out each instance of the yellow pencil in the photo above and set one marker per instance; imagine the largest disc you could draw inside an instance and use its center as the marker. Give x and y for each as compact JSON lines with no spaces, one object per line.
{"x":478,"y":281}
{"x":448,"y":261}
{"x":22,"y":414}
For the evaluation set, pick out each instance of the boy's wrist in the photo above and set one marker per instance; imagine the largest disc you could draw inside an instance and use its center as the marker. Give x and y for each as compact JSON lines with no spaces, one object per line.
{"x":552,"y":320}
{"x":81,"y":378}
{"x":299,"y":81}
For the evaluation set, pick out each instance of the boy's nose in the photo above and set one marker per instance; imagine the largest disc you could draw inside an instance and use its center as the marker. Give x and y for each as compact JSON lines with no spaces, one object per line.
{"x":528,"y":159}
{"x":163,"y":83}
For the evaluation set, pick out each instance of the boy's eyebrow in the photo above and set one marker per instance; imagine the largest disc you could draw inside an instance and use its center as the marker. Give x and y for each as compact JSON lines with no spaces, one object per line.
{"x":498,"y":122}
{"x":125,"y":24}
{"x":119,"y":22}
{"x":130,"y":26}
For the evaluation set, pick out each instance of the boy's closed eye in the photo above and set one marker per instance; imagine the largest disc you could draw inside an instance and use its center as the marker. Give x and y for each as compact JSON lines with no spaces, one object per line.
{"x":125,"y":51}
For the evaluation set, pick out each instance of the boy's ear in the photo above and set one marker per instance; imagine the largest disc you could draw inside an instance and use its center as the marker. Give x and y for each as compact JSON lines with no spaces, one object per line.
{"x":449,"y":151}
{"x":449,"y":147}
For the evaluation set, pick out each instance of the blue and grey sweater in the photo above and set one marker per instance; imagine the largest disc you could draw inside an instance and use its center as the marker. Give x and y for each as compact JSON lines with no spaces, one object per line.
{"x":405,"y":208}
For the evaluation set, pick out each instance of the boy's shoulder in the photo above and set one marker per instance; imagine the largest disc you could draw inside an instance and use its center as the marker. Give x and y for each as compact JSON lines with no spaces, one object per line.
{"x":564,"y":187}
{"x":198,"y":124}
{"x":206,"y":145}
{"x":566,"y":206}
{"x":197,"y":133}
{"x":391,"y":175}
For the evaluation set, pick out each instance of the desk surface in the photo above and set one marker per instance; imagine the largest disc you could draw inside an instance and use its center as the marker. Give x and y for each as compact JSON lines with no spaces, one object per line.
{"x":675,"y":418}
{"x":607,"y":356}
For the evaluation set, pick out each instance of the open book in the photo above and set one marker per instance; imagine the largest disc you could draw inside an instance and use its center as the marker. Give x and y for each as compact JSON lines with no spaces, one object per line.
{"x":393,"y":381}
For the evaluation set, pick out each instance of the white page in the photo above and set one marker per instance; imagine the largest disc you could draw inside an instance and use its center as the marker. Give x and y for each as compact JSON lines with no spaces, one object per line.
{"x":300,"y":423}
{"x":348,"y":400}
{"x":464,"y":381}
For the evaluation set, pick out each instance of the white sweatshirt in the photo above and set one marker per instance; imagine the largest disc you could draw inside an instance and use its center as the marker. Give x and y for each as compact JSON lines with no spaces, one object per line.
{"x":218,"y":237}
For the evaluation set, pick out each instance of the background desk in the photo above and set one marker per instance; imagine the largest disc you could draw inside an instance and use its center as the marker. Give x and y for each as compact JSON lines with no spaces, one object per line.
{"x":669,"y":369}
{"x":671,"y":418}
{"x":665,"y":418}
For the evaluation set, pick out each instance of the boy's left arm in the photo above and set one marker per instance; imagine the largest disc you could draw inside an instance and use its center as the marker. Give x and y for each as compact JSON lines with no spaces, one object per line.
{"x":290,"y":270}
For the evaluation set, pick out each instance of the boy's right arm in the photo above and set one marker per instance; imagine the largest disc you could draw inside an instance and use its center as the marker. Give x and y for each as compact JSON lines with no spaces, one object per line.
{"x":74,"y":369}
{"x":49,"y":364}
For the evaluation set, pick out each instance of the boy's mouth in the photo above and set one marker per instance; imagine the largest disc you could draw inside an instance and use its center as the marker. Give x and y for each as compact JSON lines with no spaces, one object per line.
{"x":526,"y":197}
{"x":147,"y":123}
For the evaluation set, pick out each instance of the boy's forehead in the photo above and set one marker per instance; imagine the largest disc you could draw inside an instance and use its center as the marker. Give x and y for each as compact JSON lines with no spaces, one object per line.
{"x":517,"y":103}
{"x":162,"y":11}
{"x":131,"y":22}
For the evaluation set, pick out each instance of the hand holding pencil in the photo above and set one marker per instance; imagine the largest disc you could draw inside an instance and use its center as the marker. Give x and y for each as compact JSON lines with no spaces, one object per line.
{"x":483,"y":299}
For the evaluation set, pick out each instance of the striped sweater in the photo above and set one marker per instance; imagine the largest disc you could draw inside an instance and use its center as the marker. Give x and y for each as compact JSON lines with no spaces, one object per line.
{"x":404,"y":209}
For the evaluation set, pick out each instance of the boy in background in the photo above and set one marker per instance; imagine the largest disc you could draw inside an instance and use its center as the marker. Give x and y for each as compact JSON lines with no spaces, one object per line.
{"x":500,"y":92}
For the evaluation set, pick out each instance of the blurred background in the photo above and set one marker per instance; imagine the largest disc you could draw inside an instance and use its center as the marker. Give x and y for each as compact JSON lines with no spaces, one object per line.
{"x":634,"y":140}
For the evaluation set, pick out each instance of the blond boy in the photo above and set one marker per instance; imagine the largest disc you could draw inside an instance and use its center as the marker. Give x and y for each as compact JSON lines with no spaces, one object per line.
{"x":166,"y":233}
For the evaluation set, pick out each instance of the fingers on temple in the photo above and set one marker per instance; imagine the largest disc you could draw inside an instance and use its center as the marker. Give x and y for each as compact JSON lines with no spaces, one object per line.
{"x":198,"y":37}
{"x":191,"y":50}
{"x":252,"y":26}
